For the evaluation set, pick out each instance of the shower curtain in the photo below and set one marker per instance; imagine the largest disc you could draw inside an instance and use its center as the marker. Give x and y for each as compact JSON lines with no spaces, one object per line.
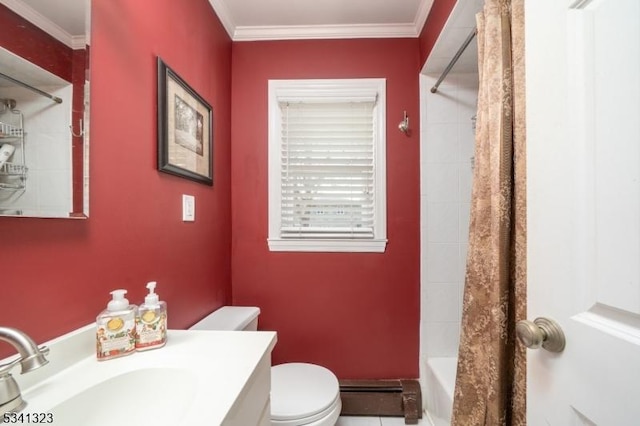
{"x":490,"y":384}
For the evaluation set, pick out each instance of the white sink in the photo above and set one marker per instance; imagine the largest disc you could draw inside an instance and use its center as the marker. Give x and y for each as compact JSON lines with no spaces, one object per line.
{"x":131,"y":398}
{"x":199,"y":377}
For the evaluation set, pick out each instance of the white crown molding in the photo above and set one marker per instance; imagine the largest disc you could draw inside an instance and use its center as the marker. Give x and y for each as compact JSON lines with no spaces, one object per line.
{"x":79,"y":42}
{"x":43,"y":23}
{"x":421,"y":15}
{"x":305,"y":32}
{"x":220,"y":8}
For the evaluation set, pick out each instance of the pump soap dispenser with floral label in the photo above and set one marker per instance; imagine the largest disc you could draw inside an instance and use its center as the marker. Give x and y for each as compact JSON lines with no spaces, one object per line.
{"x":116,"y":328}
{"x":151,"y":323}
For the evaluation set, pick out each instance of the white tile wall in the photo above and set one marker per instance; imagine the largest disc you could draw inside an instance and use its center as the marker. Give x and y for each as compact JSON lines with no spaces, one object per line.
{"x":442,"y":302}
{"x":442,"y":182}
{"x":441,"y":135}
{"x":442,"y":261}
{"x":447,"y":144}
{"x":444,"y":226}
{"x":47,"y":152}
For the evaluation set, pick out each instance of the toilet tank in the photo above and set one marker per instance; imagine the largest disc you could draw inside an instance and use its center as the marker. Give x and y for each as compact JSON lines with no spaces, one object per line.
{"x":233,"y":318}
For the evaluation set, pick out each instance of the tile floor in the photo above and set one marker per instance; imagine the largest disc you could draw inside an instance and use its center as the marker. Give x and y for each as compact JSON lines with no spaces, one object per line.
{"x":376,"y":421}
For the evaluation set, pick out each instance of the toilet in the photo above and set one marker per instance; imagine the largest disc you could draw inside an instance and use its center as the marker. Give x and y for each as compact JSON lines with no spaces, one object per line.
{"x":302,"y":394}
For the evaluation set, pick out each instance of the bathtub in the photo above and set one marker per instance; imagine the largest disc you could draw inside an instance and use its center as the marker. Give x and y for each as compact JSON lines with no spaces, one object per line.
{"x":438,"y":386}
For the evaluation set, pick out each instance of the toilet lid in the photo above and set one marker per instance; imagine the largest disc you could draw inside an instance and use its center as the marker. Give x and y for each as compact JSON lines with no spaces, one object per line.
{"x":301,"y":390}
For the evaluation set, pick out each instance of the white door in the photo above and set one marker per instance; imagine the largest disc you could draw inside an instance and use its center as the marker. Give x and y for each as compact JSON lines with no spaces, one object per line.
{"x":583,"y":188}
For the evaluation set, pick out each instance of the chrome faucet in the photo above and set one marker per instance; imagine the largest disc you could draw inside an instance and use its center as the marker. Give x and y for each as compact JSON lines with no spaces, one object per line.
{"x":31,"y":357}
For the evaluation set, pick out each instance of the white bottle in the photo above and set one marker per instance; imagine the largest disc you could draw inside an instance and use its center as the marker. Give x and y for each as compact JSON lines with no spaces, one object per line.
{"x":151,"y":322}
{"x":116,"y":328}
{"x":6,"y":151}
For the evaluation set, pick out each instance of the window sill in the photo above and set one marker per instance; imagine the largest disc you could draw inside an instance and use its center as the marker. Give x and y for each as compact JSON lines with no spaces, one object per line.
{"x":348,"y":246}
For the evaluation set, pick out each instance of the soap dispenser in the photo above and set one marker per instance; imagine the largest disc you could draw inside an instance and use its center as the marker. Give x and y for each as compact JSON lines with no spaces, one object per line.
{"x":151,"y":323}
{"x":116,"y":328}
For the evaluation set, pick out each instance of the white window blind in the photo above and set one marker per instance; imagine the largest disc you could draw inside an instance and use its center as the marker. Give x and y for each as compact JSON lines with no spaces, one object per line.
{"x":328,"y":169}
{"x":327,"y":165}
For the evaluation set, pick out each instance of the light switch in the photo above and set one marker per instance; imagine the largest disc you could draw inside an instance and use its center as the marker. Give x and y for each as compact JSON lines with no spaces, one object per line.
{"x":188,"y":208}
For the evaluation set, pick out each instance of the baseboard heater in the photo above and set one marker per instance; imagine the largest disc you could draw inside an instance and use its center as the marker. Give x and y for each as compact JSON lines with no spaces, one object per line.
{"x":400,"y":398}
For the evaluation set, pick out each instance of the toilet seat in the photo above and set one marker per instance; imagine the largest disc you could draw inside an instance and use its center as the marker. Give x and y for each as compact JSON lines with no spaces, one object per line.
{"x":304,"y":394}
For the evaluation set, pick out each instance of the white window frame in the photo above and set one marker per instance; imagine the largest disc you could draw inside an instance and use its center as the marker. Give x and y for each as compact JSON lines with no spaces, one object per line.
{"x":327,"y":89}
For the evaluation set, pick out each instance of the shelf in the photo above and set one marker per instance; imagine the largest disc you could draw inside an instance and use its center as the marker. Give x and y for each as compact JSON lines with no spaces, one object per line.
{"x":13,"y":169}
{"x":11,"y":212}
{"x":13,"y":174}
{"x":7,"y":131}
{"x":12,"y":186}
{"x":16,"y":176}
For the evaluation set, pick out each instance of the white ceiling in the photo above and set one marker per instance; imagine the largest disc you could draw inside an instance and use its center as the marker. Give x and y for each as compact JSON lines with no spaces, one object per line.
{"x":247,"y":20}
{"x":307,"y":19}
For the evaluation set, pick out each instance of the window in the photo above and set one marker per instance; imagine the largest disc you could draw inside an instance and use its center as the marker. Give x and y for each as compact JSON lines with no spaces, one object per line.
{"x":327,"y":171}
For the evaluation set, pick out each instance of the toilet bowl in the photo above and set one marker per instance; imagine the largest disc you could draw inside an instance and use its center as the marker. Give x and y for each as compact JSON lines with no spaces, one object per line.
{"x":302,"y":394}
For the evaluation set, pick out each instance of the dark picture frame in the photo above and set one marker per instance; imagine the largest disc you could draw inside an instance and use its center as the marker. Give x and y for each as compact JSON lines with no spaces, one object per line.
{"x":185,"y":129}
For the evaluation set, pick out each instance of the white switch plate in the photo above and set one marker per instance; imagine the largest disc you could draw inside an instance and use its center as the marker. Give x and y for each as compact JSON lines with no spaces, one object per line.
{"x":188,"y":208}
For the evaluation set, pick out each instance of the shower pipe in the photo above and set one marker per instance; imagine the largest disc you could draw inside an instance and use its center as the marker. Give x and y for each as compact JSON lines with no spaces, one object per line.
{"x":34,"y":89}
{"x":470,"y":37}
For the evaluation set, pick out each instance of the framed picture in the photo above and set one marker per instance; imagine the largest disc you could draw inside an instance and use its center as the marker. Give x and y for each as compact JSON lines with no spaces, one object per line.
{"x":185,"y":129}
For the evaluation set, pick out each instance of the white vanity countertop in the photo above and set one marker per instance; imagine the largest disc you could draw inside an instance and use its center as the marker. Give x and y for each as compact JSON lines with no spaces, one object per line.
{"x":194,"y":379}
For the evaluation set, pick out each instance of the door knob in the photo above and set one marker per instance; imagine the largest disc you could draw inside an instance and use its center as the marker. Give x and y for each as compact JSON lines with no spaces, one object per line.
{"x":543,"y":332}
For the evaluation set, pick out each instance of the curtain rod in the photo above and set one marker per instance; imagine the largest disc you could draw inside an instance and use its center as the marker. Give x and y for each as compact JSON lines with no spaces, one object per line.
{"x":470,"y":37}
{"x":34,"y":89}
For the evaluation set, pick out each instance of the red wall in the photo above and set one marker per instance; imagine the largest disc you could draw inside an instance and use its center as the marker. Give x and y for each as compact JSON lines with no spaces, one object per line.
{"x":80,"y":67}
{"x":438,"y":15}
{"x":25,"y":39}
{"x":56,"y":274}
{"x":357,"y":314}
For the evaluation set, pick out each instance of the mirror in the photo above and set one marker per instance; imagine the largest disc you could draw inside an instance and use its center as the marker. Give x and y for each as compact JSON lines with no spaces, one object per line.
{"x":44,"y":108}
